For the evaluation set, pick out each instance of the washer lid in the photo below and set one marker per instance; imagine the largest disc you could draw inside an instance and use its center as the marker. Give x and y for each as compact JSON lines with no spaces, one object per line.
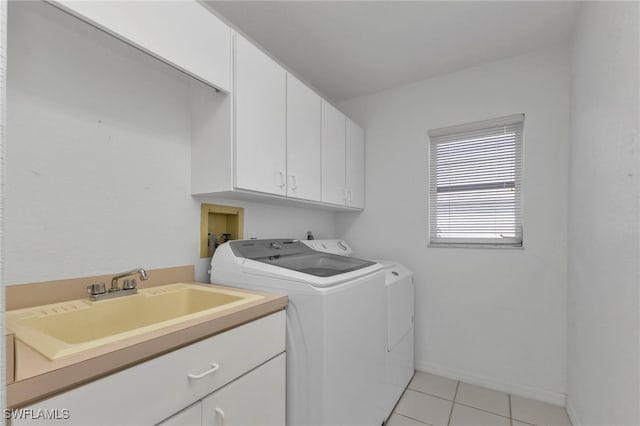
{"x":296,"y":256}
{"x":318,"y":264}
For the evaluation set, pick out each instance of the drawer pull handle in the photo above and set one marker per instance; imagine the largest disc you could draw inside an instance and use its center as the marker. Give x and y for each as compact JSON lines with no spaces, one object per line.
{"x":213,"y":369}
{"x":220,"y":413}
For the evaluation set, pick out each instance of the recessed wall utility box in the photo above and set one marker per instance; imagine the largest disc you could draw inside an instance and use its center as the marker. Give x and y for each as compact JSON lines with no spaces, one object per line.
{"x":219,"y":224}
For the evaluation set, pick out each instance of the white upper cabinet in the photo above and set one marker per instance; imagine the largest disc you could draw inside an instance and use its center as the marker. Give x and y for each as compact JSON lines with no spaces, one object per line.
{"x":342,"y":159}
{"x":333,"y":155}
{"x":273,"y":138}
{"x":355,"y":165}
{"x":303,"y":141}
{"x":260,"y":118}
{"x":183,"y":34}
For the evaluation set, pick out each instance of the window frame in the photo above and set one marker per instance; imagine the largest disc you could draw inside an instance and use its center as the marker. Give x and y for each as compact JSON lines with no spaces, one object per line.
{"x":460,"y":133}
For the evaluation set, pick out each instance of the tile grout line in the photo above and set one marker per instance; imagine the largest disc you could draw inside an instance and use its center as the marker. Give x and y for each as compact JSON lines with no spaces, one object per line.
{"x":510,"y":413}
{"x":431,"y":395}
{"x":508,"y":416}
{"x":412,"y":418}
{"x":453,"y":403}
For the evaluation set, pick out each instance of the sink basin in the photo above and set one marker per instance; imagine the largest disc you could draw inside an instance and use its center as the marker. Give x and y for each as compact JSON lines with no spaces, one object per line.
{"x":71,"y":327}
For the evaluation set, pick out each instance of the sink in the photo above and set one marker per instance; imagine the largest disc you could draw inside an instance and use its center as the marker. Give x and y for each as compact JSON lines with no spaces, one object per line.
{"x":67,"y":328}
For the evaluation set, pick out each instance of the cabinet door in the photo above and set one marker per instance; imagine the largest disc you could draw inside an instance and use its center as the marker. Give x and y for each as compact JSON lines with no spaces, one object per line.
{"x":355,"y":165}
{"x":333,"y":155}
{"x":183,"y":34}
{"x":303,"y":141}
{"x":255,"y":399}
{"x":260,"y":117}
{"x":191,"y":416}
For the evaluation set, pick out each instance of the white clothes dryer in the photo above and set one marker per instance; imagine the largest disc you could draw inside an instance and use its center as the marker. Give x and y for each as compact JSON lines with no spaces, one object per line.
{"x":399,"y":317}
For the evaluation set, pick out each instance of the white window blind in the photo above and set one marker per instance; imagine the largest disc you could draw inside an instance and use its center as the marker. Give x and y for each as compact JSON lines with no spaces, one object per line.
{"x":475,"y":189}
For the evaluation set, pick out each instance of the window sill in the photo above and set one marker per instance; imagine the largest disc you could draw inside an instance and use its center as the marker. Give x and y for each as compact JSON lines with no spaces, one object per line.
{"x":475,"y":246}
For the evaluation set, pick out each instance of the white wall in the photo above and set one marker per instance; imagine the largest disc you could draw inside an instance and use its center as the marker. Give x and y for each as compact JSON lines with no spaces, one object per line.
{"x":604,"y":248}
{"x":490,"y":316}
{"x":3,"y":104}
{"x":273,"y":221}
{"x":97,"y":172}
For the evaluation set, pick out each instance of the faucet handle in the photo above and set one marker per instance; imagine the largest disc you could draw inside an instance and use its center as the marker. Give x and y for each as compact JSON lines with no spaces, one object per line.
{"x":129,"y":284}
{"x":97,"y":288}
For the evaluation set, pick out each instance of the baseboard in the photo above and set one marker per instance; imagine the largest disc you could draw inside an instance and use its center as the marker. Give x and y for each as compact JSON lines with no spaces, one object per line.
{"x":554,"y":398}
{"x":573,"y":416}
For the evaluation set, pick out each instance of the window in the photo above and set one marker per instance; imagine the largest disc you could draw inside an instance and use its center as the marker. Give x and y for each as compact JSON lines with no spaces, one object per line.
{"x":475,"y":188}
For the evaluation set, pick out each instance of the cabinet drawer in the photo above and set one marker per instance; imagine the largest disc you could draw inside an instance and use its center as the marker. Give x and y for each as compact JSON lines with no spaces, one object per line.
{"x":152,"y":391}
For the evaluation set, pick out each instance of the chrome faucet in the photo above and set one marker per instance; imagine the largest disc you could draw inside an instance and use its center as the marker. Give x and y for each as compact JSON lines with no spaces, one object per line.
{"x":97,"y":291}
{"x":114,"y":280}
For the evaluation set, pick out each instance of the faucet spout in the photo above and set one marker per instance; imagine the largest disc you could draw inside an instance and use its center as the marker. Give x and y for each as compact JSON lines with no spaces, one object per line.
{"x":139,"y":271}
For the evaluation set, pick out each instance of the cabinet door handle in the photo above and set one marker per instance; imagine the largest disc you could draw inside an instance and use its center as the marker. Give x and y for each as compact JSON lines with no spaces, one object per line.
{"x":344,"y":191}
{"x":220,"y":413}
{"x":213,"y":369}
{"x":294,"y":185}
{"x":283,"y":182}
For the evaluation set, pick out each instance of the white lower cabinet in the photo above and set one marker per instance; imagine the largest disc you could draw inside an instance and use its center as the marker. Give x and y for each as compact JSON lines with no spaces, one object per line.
{"x":255,"y":399}
{"x":241,"y":365}
{"x":190,"y":416}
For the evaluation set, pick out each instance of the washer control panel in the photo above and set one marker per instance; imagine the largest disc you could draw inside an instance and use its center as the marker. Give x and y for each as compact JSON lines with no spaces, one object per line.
{"x":330,"y":246}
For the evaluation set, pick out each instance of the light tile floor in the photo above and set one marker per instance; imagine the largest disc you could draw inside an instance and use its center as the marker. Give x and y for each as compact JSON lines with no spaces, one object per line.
{"x":436,"y":401}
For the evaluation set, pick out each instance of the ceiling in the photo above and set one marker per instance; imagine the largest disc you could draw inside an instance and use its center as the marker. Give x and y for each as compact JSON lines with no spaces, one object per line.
{"x":347,"y":49}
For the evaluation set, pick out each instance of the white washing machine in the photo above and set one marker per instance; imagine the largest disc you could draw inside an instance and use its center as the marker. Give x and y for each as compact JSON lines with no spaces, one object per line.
{"x":335,"y":333}
{"x":399,"y":366}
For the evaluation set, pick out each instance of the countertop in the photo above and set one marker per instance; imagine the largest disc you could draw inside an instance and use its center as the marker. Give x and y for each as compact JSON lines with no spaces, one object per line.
{"x":37,"y":377}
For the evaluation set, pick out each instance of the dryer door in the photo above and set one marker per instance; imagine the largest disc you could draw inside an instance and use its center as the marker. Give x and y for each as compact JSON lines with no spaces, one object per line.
{"x":399,"y":281}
